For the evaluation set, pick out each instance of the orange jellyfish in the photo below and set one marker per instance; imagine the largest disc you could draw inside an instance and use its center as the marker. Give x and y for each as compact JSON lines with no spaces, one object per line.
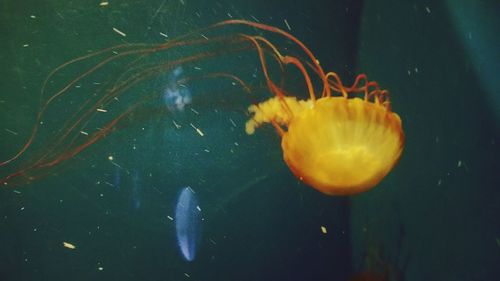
{"x":339,"y":145}
{"x":341,"y":140}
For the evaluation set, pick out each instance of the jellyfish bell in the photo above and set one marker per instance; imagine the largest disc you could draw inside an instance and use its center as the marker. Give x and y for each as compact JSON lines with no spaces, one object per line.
{"x":176,"y":96}
{"x":351,"y":147}
{"x":337,"y":145}
{"x":188,"y":223}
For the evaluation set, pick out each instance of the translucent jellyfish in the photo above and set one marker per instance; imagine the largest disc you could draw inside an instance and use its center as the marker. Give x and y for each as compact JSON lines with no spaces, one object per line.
{"x":136,"y":190}
{"x":176,"y":95}
{"x":188,"y":223}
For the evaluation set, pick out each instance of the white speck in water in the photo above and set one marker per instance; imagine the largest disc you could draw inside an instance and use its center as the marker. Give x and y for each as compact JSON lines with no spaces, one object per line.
{"x":287,"y":25}
{"x":119,"y":32}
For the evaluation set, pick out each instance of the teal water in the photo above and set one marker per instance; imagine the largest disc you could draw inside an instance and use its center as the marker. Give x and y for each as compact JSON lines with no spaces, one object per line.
{"x":434,"y":217}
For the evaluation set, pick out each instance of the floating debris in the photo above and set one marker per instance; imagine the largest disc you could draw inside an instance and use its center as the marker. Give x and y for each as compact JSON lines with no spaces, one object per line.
{"x":323,"y":230}
{"x":232,"y":122}
{"x":287,"y":25}
{"x":119,"y":32}
{"x":69,"y":245}
{"x":176,"y":125}
{"x":197,"y":130}
{"x":12,"y":132}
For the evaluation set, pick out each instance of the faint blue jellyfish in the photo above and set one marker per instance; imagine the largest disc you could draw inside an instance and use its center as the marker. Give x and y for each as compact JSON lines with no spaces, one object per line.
{"x":117,"y":178}
{"x":136,"y":190}
{"x":176,"y":95}
{"x":188,"y":223}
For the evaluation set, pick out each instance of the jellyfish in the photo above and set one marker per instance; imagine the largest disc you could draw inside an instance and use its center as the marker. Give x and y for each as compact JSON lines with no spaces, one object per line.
{"x":176,"y":96}
{"x":136,"y":190}
{"x":339,"y":139}
{"x":188,"y":223}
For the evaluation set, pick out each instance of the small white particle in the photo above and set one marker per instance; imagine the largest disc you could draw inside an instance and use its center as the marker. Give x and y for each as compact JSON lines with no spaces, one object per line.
{"x":69,"y":245}
{"x":459,"y":164}
{"x":84,"y":133}
{"x":323,"y":229}
{"x":119,"y":32}
{"x":232,"y":122}
{"x":100,"y":268}
{"x":176,"y":125}
{"x":198,"y":208}
{"x":164,"y":34}
{"x":104,"y":3}
{"x":428,"y":9}
{"x":194,"y":111}
{"x":197,"y":68}
{"x":25,"y":45}
{"x":33,"y":16}
{"x":287,"y":25}
{"x":197,"y":130}
{"x":12,"y":132}
{"x":102,"y":110}
{"x":170,"y":218}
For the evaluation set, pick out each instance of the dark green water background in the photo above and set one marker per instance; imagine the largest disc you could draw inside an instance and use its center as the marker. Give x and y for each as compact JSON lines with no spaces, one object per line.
{"x":435,"y":217}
